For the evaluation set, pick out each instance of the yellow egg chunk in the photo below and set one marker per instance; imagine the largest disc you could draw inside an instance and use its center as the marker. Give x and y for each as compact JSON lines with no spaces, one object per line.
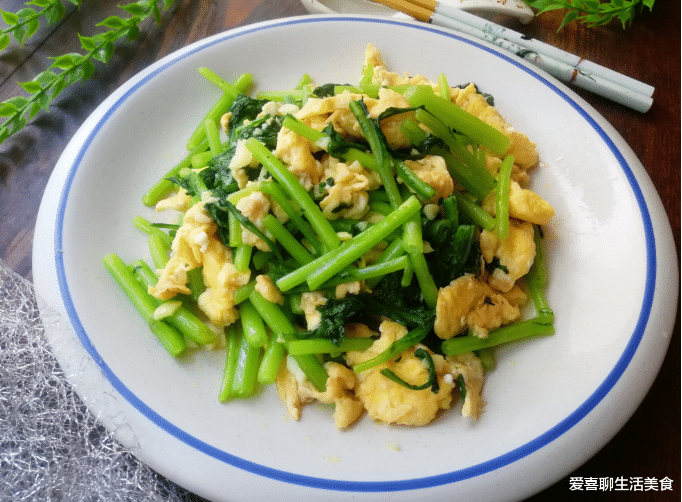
{"x":433,"y":170}
{"x":189,"y":243}
{"x":471,"y":369}
{"x":391,"y":402}
{"x":521,"y":147}
{"x":524,"y":205}
{"x":516,"y":253}
{"x":468,"y":302}
{"x":296,"y":393}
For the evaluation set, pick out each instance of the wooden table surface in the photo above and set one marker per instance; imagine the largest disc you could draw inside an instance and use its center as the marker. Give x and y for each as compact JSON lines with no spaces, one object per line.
{"x":649,"y":50}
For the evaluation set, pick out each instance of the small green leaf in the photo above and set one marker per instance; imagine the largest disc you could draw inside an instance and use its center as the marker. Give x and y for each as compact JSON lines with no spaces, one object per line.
{"x":17,"y":101}
{"x":157,"y":13}
{"x":88,"y":69}
{"x":19,"y":34}
{"x":55,"y":13}
{"x":113,"y":22}
{"x":58,"y":87}
{"x":73,"y":75}
{"x":9,"y":17}
{"x":132,"y":33}
{"x":46,"y":78}
{"x":26,"y":13}
{"x":134,"y":9}
{"x":7,"y":109}
{"x":15,"y":124}
{"x":88,"y":43}
{"x":66,"y":61}
{"x":626,"y":17}
{"x":570,"y":16}
{"x":104,"y":53}
{"x":33,"y":111}
{"x":5,"y":40}
{"x":31,"y":86}
{"x":4,"y":133}
{"x":43,"y":100}
{"x":32,"y":27}
{"x":549,"y":8}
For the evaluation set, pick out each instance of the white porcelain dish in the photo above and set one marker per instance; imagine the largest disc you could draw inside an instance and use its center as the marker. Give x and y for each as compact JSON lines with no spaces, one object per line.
{"x":552,"y":403}
{"x":485,"y":8}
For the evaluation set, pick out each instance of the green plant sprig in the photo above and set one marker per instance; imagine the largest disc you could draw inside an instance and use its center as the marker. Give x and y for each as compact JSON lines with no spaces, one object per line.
{"x":593,"y":12}
{"x":25,"y":22}
{"x":70,"y":68}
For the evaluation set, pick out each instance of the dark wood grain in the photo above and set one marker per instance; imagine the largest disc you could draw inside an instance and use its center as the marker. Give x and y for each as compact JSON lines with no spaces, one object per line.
{"x":649,"y":50}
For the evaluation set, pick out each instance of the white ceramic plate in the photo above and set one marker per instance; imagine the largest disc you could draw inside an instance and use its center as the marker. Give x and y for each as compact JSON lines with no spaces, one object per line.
{"x":552,"y":403}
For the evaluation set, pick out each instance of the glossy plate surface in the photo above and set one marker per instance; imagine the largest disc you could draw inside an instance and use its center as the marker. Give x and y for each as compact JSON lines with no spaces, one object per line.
{"x":552,"y":403}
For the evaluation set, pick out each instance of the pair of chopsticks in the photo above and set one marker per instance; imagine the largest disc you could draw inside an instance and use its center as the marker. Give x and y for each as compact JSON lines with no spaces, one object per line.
{"x":560,"y":64}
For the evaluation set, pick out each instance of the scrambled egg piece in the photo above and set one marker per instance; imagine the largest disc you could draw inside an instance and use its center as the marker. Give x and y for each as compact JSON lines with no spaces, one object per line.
{"x":524,"y":205}
{"x":391,"y":402}
{"x":179,"y":201}
{"x":433,"y":170}
{"x":347,"y":190}
{"x":217,"y":301}
{"x":296,"y":393}
{"x":196,"y":230}
{"x":335,"y":110}
{"x":516,"y":253}
{"x":390,"y":126}
{"x":268,"y":289}
{"x":469,"y":302}
{"x":240,"y":161}
{"x":255,"y":207}
{"x":382,"y":76}
{"x":521,"y":147}
{"x":197,"y":245}
{"x":348,"y":288}
{"x":471,"y":369}
{"x":309,"y":303}
{"x":295,"y":152}
{"x":492,"y":164}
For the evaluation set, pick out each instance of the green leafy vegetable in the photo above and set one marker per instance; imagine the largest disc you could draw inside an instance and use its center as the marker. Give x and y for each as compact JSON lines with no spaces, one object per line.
{"x":324,"y":90}
{"x":594,"y":12}
{"x":456,"y":250}
{"x":337,"y":313}
{"x":219,"y":177}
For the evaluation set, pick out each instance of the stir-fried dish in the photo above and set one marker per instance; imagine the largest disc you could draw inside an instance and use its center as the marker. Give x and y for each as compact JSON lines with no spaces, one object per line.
{"x":362,"y":245}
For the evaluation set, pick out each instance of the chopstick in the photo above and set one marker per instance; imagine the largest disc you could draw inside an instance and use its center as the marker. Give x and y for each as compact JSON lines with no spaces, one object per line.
{"x":560,"y":64}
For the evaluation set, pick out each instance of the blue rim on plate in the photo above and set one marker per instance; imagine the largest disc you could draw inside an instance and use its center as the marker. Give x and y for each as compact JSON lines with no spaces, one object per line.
{"x":366,"y":486}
